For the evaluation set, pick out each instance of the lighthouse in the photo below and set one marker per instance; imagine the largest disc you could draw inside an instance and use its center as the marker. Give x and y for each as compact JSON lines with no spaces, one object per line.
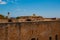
{"x":8,"y":14}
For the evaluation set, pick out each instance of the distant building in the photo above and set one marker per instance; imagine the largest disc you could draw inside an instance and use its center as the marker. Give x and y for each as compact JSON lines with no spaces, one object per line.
{"x":29,"y":28}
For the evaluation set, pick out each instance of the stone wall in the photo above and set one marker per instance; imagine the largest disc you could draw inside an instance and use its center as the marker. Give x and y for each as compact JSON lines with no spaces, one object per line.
{"x":40,"y":30}
{"x":43,"y":30}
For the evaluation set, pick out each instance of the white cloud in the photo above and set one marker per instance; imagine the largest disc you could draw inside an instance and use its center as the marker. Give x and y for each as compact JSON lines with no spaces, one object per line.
{"x":2,"y":2}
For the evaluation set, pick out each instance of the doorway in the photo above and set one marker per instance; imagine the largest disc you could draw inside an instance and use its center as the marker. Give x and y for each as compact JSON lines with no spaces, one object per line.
{"x":33,"y":39}
{"x":9,"y":20}
{"x":28,"y":20}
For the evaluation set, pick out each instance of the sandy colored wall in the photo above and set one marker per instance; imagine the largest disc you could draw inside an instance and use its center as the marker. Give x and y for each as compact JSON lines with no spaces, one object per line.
{"x":40,"y":30}
{"x":28,"y":30}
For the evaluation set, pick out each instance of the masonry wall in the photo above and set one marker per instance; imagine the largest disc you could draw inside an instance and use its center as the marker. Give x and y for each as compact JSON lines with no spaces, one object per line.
{"x":43,"y":30}
{"x":40,"y":30}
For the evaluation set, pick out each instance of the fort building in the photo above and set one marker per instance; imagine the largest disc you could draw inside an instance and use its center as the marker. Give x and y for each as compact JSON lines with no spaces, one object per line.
{"x":29,"y":28}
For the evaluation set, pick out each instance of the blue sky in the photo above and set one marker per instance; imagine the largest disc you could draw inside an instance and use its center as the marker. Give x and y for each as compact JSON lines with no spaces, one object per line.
{"x":45,"y":8}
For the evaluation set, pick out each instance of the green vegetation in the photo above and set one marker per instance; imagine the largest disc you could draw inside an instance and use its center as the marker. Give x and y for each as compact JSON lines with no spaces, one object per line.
{"x":1,"y":16}
{"x":17,"y":17}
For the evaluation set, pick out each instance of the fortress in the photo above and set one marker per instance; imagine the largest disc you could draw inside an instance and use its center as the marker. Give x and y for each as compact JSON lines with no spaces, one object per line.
{"x":29,"y":28}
